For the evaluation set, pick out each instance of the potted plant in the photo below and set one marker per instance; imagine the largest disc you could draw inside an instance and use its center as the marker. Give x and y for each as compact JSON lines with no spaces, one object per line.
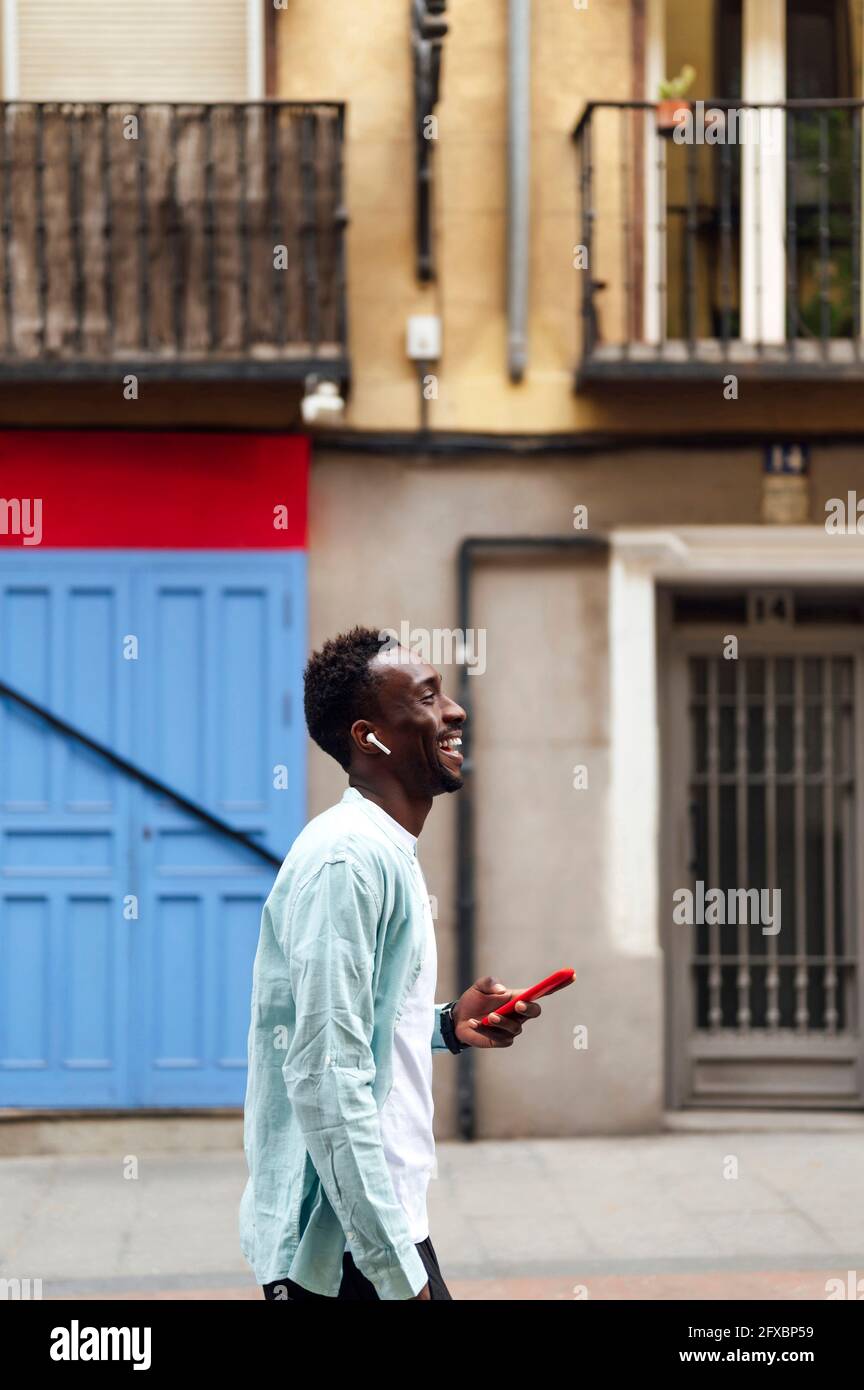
{"x":671,"y":110}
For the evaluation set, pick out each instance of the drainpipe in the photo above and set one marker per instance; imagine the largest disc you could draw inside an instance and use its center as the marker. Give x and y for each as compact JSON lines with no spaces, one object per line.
{"x":518,"y":185}
{"x":470,"y":548}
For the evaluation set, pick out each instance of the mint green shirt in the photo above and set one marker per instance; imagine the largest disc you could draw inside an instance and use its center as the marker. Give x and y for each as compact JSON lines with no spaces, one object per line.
{"x":341,"y":944}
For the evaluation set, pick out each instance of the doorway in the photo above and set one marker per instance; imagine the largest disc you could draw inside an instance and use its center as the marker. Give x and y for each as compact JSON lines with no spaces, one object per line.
{"x":760,"y":915}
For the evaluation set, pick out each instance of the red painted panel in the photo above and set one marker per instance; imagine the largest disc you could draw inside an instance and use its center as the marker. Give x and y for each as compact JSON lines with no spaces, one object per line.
{"x":114,"y":489}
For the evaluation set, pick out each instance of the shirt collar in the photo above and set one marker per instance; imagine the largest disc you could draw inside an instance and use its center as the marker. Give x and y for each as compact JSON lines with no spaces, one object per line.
{"x":392,"y":829}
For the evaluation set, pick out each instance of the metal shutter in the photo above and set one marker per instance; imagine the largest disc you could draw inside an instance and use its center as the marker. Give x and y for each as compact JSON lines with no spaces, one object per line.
{"x":132,"y":50}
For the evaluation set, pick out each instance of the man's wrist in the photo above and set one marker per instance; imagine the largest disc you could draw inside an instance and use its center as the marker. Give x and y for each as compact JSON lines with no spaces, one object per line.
{"x":448,"y":1028}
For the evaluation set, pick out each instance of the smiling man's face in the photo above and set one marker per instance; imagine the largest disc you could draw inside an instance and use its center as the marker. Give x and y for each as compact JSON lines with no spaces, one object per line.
{"x":419,"y":724}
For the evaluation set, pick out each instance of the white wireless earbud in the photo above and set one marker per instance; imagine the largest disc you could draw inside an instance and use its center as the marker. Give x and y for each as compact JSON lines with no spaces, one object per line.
{"x":370,"y":738}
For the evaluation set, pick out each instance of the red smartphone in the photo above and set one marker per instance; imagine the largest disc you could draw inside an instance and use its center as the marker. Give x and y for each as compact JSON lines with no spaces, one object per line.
{"x":547,"y":986}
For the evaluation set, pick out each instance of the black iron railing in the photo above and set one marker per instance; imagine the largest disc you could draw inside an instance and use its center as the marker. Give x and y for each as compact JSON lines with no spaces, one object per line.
{"x":733,"y":236}
{"x":204,"y":240}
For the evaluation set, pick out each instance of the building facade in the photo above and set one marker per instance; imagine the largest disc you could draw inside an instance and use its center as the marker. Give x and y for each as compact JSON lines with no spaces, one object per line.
{"x":601,"y":383}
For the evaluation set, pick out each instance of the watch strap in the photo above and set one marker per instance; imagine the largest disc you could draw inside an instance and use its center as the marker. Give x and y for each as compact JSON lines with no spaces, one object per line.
{"x":448,"y":1028}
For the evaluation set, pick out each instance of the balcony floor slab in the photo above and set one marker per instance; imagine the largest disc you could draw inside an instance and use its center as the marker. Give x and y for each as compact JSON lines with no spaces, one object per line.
{"x":708,"y":359}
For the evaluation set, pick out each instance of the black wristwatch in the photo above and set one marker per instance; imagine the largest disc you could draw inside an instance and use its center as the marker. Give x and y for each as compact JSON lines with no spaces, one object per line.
{"x":448,"y":1028}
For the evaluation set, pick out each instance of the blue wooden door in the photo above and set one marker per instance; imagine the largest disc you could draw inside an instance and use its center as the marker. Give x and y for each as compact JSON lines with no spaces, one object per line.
{"x":127,"y":927}
{"x":64,"y":954}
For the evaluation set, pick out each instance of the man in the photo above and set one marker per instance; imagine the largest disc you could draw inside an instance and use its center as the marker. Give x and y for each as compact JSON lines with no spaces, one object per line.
{"x":338,"y":1117}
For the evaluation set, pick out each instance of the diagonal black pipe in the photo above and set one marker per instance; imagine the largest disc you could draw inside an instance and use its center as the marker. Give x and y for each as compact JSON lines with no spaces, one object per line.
{"x":137,"y":774}
{"x":465,"y":889}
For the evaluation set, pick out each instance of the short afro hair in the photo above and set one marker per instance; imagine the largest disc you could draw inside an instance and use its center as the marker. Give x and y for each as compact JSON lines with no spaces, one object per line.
{"x":338,"y":687}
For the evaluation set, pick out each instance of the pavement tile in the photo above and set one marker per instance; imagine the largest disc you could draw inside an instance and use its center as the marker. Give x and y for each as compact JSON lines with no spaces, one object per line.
{"x":626,"y":1217}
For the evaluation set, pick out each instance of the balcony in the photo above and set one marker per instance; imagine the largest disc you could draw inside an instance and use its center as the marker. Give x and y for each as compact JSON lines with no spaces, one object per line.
{"x":175,"y":240}
{"x":732,"y":245}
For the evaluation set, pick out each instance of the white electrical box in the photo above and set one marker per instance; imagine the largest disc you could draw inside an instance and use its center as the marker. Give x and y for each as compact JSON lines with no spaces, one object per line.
{"x":424,"y":337}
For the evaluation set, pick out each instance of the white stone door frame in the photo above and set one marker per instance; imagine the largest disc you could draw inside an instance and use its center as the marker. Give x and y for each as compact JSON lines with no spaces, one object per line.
{"x":640,"y":559}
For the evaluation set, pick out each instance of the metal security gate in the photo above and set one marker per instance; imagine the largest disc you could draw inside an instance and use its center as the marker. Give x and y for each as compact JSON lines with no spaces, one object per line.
{"x":127,"y":927}
{"x":761,"y":901}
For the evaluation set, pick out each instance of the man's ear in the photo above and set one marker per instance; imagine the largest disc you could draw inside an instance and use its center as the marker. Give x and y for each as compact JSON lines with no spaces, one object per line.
{"x":360,"y":730}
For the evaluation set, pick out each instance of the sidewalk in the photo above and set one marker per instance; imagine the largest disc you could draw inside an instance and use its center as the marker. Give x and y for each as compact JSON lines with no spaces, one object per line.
{"x":612,"y":1218}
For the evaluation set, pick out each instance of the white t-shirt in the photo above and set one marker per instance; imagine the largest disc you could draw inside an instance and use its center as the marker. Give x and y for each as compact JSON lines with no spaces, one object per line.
{"x":406,"y":1116}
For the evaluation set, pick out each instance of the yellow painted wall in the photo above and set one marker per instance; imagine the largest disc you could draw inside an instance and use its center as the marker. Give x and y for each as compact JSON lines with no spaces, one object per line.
{"x":362,"y":56}
{"x":690,"y":39}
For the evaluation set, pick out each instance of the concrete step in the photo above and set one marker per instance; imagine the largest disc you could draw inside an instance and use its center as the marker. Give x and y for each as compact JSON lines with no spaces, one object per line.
{"x":722,"y":1121}
{"x":27,"y":1132}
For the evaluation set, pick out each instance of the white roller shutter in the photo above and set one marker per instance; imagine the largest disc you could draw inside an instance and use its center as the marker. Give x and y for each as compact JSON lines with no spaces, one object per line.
{"x":129,"y":50}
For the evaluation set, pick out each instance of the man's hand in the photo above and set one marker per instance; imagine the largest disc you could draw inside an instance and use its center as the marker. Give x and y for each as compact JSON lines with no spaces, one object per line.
{"x":480,"y":1000}
{"x":424,"y":1293}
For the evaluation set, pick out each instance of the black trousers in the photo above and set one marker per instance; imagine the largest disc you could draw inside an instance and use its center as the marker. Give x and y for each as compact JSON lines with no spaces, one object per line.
{"x":355,"y":1285}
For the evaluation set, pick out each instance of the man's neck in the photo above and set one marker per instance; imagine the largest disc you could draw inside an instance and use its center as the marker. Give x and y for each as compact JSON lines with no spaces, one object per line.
{"x":410,"y":813}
